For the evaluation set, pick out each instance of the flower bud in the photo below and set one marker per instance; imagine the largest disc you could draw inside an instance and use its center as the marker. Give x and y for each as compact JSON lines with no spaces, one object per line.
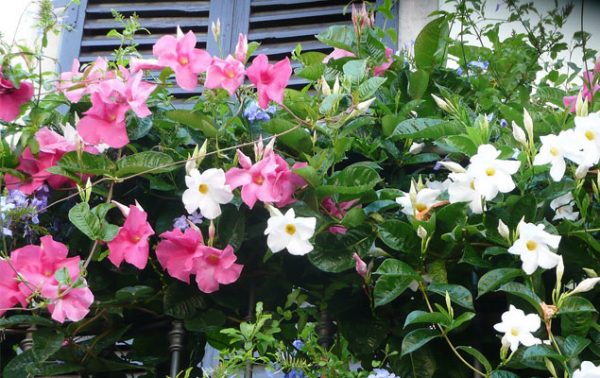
{"x":441,"y":103}
{"x":519,"y":134}
{"x":336,"y":85}
{"x":211,"y":233}
{"x":585,"y":285}
{"x":325,"y":89}
{"x":416,"y":148}
{"x":452,"y":166}
{"x":241,"y":49}
{"x":421,"y":232}
{"x":560,"y":271}
{"x":503,"y":230}
{"x":361,"y":266}
{"x":581,"y":172}
{"x":581,"y":106}
{"x":528,"y":123}
{"x":364,"y":106}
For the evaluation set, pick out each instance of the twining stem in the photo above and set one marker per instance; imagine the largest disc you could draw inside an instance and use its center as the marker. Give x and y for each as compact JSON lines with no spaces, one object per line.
{"x":445,"y":336}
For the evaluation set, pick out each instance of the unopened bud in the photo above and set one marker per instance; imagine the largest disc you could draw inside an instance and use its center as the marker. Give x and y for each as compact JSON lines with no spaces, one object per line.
{"x":216,"y":29}
{"x":581,"y":106}
{"x":519,"y":134}
{"x":325,"y":88}
{"x":211,"y":233}
{"x":441,"y":103}
{"x":416,"y":148}
{"x":421,"y":232}
{"x":336,"y":85}
{"x":585,"y":285}
{"x":528,"y":123}
{"x":503,"y":230}
{"x":361,"y":266}
{"x":364,"y":106}
{"x":452,"y":166}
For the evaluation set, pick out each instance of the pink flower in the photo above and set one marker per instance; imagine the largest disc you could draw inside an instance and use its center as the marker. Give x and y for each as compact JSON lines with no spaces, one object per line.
{"x":361,"y":18}
{"x":337,"y":211}
{"x":131,"y":242}
{"x":136,"y":94}
{"x":74,"y":84}
{"x":104,"y":122}
{"x":361,"y":266}
{"x":214,"y":267}
{"x":380,"y":70}
{"x":286,"y":182}
{"x":11,"y":98}
{"x":136,"y":65}
{"x":241,"y":48}
{"x":72,"y":303}
{"x":177,"y":251}
{"x":270,"y":79}
{"x":184,"y":59}
{"x":338,"y":54}
{"x":587,"y":92}
{"x":52,"y":147}
{"x":256,"y":180}
{"x":227,"y":74}
{"x":9,"y":288}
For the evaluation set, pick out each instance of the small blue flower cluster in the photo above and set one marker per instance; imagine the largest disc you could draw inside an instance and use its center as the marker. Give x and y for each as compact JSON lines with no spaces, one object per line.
{"x":479,"y":64}
{"x":18,"y":200}
{"x":253,"y":112}
{"x":382,"y":373}
{"x":182,"y":221}
{"x":294,"y":373}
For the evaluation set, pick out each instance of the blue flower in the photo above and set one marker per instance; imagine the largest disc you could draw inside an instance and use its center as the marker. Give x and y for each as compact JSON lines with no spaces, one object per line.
{"x":253,"y":112}
{"x":294,"y":373}
{"x":482,"y":65}
{"x":182,"y":221}
{"x":503,"y":123}
{"x":459,"y":71}
{"x":382,"y":373}
{"x":298,"y":344}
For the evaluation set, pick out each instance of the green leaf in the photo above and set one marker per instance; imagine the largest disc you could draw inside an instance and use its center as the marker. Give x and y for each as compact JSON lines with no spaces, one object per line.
{"x":573,"y":345}
{"x":85,"y":221}
{"x":396,"y":277}
{"x":458,"y":294}
{"x":86,"y":163}
{"x":310,"y":175}
{"x":462,"y":319}
{"x":367,"y":89}
{"x":418,"y":82}
{"x":399,"y":236}
{"x":496,"y":278}
{"x":355,"y":70}
{"x":297,"y":139}
{"x":419,"y":316}
{"x":340,"y":36}
{"x":146,"y":162}
{"x":478,"y":356}
{"x":539,"y":352}
{"x":193,"y":120}
{"x":428,"y":128}
{"x":503,"y":374}
{"x":353,"y":180}
{"x":182,"y":301}
{"x":18,"y":320}
{"x":209,"y":321}
{"x":333,"y":253}
{"x":574,"y":304}
{"x":430,"y":43}
{"x":17,"y":367}
{"x":522,"y":291}
{"x":134,"y":293}
{"x":417,"y":338}
{"x":463,"y":144}
{"x":46,"y":342}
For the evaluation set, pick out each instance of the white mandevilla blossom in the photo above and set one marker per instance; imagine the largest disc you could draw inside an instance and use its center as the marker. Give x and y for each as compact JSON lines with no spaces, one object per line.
{"x":589,"y":129}
{"x":553,"y":152}
{"x":206,"y":191}
{"x":424,"y":199}
{"x":533,"y":247}
{"x":518,"y":327}
{"x":491,"y":174}
{"x":563,"y":207}
{"x":289,"y":231}
{"x":462,"y":189}
{"x":587,"y":370}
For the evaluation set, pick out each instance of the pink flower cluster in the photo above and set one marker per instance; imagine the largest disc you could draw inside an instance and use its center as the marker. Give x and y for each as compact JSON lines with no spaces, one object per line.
{"x":11,"y":97}
{"x":269,"y":180}
{"x":588,"y":90}
{"x":131,"y":242}
{"x":112,"y":94}
{"x":52,"y":147}
{"x":377,"y":71}
{"x":31,"y":273}
{"x":187,"y":62}
{"x":182,"y":254}
{"x":338,"y":211}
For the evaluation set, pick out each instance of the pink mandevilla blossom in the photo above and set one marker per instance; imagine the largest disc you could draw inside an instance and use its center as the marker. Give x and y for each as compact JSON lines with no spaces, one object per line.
{"x":177,"y":250}
{"x":136,"y":65}
{"x":37,"y":265}
{"x":52,"y":147}
{"x":11,"y":98}
{"x":587,"y":92}
{"x":270,"y":79}
{"x":214,"y":267}
{"x":380,"y":70}
{"x":104,"y":122}
{"x":338,"y":54}
{"x":185,"y":60}
{"x":184,"y":253}
{"x":131,"y":242}
{"x":75,"y":84}
{"x":225,"y":73}
{"x":241,"y":48}
{"x":9,"y":288}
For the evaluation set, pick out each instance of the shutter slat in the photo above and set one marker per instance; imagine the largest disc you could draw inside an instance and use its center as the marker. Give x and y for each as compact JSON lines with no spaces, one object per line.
{"x":292,"y":31}
{"x":281,"y":15}
{"x":154,"y":22}
{"x":142,"y":8}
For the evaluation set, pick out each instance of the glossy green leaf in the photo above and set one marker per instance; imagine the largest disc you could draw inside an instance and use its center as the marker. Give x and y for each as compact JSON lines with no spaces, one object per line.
{"x":496,"y":278}
{"x":458,"y":294}
{"x":417,"y":338}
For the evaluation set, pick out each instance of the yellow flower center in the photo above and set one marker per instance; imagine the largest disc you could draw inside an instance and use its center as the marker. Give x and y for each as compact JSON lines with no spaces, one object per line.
{"x":590,"y":135}
{"x":212,"y":259}
{"x":490,"y":171}
{"x":420,"y":207}
{"x":136,"y":238}
{"x":203,"y":188}
{"x":472,"y":185}
{"x":554,"y":151}
{"x":258,"y":179}
{"x":183,"y":60}
{"x":230,"y":74}
{"x":290,"y":229}
{"x":514,"y":332}
{"x":112,"y":117}
{"x":531,"y":245}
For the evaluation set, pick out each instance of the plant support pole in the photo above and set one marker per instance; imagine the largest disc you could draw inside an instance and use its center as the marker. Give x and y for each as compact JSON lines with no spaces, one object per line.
{"x":176,"y":346}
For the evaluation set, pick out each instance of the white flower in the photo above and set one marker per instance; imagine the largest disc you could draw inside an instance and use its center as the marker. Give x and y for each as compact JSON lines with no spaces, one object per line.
{"x":517,"y":328}
{"x":206,"y":192}
{"x":289,"y":231}
{"x":533,"y":247}
{"x":452,"y":166}
{"x":491,"y":174}
{"x":438,"y":185}
{"x":462,"y":189}
{"x":424,"y":199}
{"x":519,"y":134}
{"x":589,"y":129}
{"x":553,"y":151}
{"x":563,"y":207}
{"x":416,"y":148}
{"x":586,"y":285}
{"x":587,"y":370}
